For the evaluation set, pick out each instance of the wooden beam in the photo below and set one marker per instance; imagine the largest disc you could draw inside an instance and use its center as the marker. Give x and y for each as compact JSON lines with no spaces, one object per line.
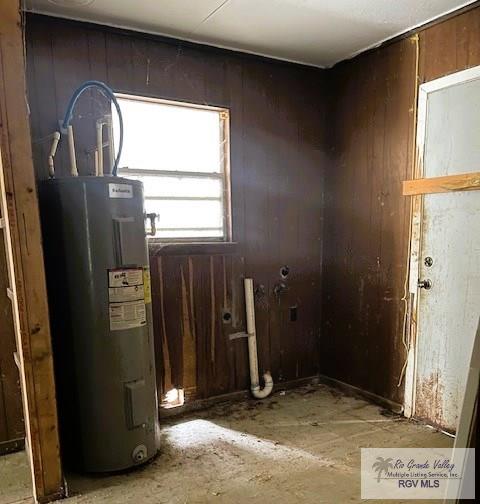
{"x":460,"y":182}
{"x":25,"y":261}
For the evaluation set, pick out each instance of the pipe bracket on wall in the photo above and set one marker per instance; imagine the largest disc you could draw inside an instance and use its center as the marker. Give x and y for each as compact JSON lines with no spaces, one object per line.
{"x":238,"y":335}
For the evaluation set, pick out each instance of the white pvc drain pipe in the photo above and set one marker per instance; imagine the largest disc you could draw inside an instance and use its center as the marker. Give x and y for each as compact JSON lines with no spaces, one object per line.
{"x":252,"y":346}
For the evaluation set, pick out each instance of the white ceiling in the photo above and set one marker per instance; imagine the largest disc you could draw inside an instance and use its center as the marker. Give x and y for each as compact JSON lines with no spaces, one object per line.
{"x":315,"y":32}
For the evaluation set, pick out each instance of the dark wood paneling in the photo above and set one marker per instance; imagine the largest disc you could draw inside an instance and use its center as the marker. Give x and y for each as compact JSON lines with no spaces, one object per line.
{"x":12,"y":428}
{"x":190,"y":302}
{"x":11,"y":415}
{"x":450,"y":46}
{"x":277,"y":117}
{"x":372,"y":123}
{"x":276,"y":112}
{"x":366,"y":230}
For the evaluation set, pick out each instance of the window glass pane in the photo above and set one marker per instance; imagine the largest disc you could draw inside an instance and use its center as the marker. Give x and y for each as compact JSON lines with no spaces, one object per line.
{"x":158,"y":136}
{"x":155,"y":186}
{"x":162,"y":137}
{"x":187,"y":215}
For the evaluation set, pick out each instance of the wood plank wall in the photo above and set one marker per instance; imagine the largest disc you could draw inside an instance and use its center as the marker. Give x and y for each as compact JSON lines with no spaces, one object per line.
{"x":450,"y":46}
{"x":366,"y":219}
{"x":277,"y":161}
{"x":366,"y":216}
{"x":196,"y":289}
{"x":12,"y":428}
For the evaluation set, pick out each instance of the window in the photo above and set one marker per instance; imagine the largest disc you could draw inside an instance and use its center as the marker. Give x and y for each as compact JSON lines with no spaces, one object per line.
{"x":181,"y":154}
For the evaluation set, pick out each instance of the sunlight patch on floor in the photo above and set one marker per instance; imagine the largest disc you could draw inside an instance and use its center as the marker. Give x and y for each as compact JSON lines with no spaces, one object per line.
{"x":195,"y":433}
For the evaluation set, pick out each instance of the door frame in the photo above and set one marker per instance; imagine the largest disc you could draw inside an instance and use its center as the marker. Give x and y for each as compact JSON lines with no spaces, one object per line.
{"x":425,"y":89}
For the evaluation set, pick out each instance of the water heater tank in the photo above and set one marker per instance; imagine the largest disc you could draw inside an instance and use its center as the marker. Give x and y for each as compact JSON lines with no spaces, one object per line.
{"x":100,"y":309}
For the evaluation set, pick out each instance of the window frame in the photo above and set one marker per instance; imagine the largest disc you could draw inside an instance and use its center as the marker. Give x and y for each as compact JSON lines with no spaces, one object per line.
{"x":223,"y":175}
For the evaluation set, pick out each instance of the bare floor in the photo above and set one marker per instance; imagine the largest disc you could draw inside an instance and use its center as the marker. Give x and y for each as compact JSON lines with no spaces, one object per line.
{"x":15,"y":479}
{"x":299,"y":446}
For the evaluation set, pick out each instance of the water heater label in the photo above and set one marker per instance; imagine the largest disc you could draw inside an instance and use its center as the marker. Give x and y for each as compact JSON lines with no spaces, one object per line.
{"x":127,"y":315}
{"x":120,"y":191}
{"x":125,"y":277}
{"x":126,"y":296}
{"x":121,"y":294}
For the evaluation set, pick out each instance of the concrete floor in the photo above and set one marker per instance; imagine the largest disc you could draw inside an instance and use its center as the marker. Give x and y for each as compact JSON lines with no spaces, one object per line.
{"x":15,"y":479}
{"x":300,"y":446}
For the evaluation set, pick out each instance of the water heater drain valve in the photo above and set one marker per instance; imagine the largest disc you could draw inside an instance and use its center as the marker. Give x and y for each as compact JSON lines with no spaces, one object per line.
{"x":139,"y":454}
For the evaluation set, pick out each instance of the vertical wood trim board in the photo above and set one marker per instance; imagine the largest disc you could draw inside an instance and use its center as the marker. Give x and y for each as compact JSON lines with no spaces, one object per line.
{"x":26,"y":268}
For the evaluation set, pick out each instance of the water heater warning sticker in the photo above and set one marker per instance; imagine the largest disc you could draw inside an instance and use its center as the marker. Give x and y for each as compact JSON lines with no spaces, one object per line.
{"x":126,"y":296}
{"x":121,"y":294}
{"x":125,"y":277}
{"x":127,"y":315}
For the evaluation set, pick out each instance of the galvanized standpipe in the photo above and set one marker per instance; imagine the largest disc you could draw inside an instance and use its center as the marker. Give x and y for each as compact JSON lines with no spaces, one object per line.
{"x":252,"y":346}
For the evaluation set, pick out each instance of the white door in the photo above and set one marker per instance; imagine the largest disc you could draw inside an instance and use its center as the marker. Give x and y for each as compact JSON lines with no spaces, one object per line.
{"x":448,"y":261}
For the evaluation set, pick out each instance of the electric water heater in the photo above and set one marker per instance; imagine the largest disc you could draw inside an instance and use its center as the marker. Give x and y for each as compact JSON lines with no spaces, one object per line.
{"x":100,"y":309}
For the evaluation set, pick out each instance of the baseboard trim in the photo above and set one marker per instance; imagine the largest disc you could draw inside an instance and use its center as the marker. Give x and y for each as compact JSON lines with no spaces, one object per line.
{"x":240,"y":395}
{"x":364,"y":394}
{"x":12,"y":446}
